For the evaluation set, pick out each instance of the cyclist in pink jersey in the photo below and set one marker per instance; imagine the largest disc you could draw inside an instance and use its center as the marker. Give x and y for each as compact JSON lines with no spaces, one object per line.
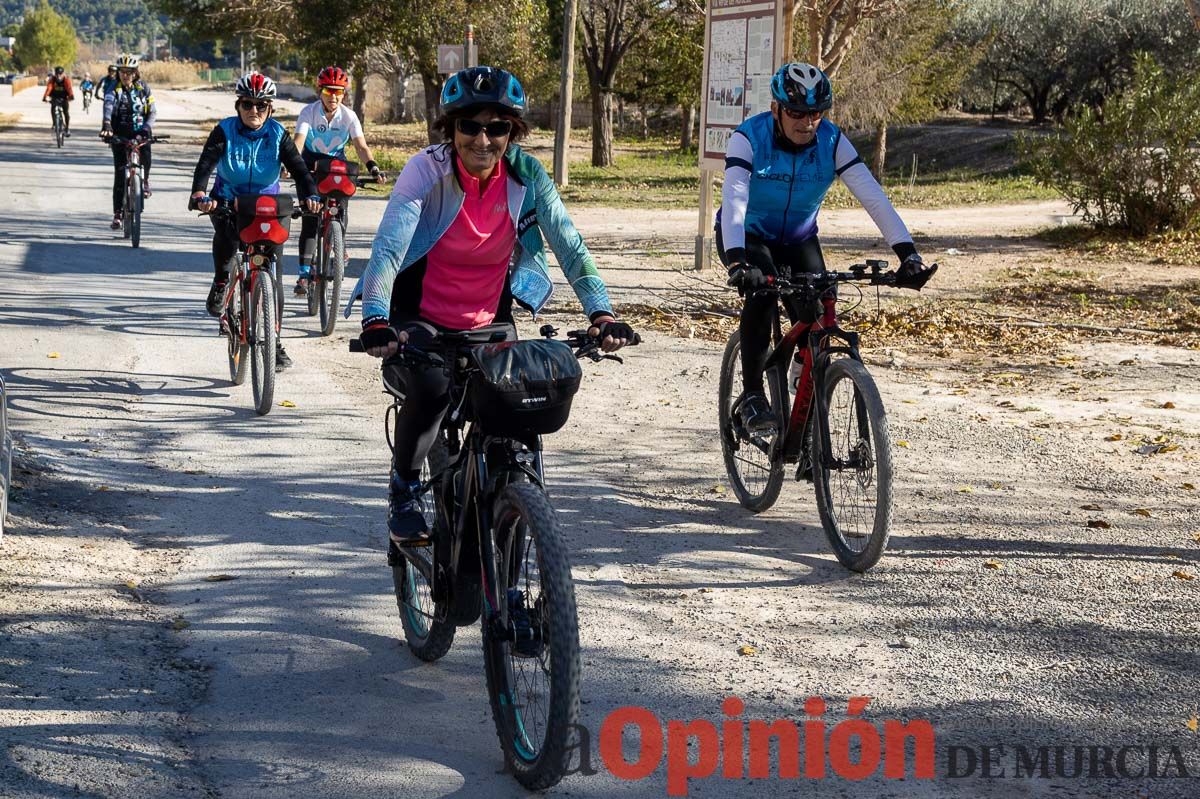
{"x":459,"y":243}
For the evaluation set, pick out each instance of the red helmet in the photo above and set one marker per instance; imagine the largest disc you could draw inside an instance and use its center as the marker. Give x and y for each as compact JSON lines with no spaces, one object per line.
{"x":333,"y":76}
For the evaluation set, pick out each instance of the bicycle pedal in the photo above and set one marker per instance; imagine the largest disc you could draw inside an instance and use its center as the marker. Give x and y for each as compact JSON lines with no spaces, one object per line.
{"x":224,"y":329}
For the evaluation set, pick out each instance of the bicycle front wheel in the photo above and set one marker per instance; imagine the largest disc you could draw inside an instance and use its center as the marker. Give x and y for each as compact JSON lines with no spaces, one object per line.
{"x":312,"y":294}
{"x":531,"y":645}
{"x":133,"y":200}
{"x":426,"y":629}
{"x":262,"y":341}
{"x":754,"y":467}
{"x":854,"y":479}
{"x":330,"y":280}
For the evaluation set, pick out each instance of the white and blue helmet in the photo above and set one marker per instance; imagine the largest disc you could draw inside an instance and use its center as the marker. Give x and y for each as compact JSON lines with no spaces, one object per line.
{"x":802,"y":87}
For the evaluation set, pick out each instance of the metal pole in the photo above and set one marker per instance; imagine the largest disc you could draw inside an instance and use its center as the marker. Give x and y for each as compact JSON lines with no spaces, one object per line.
{"x":566,"y":95}
{"x":469,"y":53}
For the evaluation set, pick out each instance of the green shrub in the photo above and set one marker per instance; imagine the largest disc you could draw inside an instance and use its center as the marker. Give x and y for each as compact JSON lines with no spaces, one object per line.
{"x":1133,"y":164}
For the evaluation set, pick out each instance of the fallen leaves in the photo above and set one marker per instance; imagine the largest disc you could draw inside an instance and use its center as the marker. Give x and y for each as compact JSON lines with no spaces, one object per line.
{"x":1114,"y":437}
{"x":1167,"y":406}
{"x":180,"y":623}
{"x":1193,"y":724}
{"x":287,"y":404}
{"x":1090,"y":506}
{"x":965,"y":490}
{"x":1180,"y":574}
{"x":52,"y":355}
{"x":1098,"y":524}
{"x":1188,"y":487}
{"x":995,"y":565}
{"x":903,"y":443}
{"x":1143,"y":512}
{"x":717,"y":489}
{"x":745,"y":650}
{"x":219,"y":578}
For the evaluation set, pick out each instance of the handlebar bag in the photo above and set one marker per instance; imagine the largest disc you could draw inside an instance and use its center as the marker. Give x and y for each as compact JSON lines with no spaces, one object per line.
{"x":264,"y":218}
{"x":522,"y":388}
{"x":335,"y":176}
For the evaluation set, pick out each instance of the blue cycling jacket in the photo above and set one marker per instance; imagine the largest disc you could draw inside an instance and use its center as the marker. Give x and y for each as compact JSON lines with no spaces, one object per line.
{"x":250,"y":164}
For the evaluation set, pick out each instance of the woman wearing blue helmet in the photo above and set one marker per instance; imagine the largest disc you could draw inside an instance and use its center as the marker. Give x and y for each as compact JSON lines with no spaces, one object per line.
{"x":460,"y":242}
{"x":778,"y":167}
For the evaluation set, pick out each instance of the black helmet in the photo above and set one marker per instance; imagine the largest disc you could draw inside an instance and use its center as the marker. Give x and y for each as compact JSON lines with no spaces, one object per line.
{"x":58,"y":70}
{"x":483,"y":86}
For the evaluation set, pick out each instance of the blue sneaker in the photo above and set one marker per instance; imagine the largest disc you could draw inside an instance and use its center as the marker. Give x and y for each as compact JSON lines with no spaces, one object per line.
{"x":406,"y":523}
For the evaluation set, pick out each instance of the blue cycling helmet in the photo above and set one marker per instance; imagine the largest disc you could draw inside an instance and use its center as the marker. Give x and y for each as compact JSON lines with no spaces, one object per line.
{"x":483,"y":86}
{"x":802,"y":87}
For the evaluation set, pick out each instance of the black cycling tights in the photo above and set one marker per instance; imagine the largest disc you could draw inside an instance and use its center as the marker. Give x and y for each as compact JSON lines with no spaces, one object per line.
{"x":426,"y":398}
{"x":120,"y":157}
{"x":755,"y":325}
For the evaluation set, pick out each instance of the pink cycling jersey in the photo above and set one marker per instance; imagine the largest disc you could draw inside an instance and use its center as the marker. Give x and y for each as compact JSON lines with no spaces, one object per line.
{"x":465,"y":271}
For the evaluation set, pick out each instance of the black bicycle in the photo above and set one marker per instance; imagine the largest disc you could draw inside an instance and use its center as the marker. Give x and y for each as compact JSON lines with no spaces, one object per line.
{"x":135,"y":197}
{"x":60,"y":122}
{"x":834,"y":429}
{"x":337,"y":181}
{"x":497,"y":552}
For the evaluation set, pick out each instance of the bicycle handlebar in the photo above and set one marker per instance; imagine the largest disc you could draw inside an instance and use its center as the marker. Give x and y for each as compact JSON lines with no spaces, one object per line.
{"x":585,"y":346}
{"x":137,"y":140}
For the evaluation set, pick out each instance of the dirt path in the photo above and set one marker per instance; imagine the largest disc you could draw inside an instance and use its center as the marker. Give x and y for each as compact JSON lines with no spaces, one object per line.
{"x":998,"y":614}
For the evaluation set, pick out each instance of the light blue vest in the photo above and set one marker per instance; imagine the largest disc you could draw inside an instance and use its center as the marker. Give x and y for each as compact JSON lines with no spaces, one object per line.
{"x":787,"y":187}
{"x":251,"y":161}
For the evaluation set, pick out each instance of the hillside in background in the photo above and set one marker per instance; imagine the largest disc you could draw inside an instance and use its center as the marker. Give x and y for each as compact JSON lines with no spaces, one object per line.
{"x":107,"y":25}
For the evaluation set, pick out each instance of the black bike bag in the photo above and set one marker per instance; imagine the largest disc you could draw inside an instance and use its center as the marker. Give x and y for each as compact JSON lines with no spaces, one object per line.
{"x":522,"y":388}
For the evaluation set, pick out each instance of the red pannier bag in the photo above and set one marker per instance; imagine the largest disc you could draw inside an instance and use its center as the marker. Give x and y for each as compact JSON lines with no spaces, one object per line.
{"x":335,"y":177}
{"x":264,"y":218}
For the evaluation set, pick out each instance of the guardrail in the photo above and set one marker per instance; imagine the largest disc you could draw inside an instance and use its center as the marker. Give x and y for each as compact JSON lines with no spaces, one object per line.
{"x":21,"y":84}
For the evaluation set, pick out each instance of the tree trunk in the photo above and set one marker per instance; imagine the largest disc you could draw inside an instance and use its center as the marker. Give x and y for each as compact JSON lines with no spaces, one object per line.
{"x":689,"y":121}
{"x":645,"y":121}
{"x":879,"y":159}
{"x":602,"y":126}
{"x":360,"y":90}
{"x":433,"y":90}
{"x":396,"y":112}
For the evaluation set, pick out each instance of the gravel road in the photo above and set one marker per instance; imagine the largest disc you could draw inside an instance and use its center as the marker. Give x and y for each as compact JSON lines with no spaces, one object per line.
{"x":998,"y":615}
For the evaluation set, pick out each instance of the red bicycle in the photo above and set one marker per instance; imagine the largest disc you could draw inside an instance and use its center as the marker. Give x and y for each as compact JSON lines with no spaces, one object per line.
{"x":836,"y":430}
{"x":250,"y":320}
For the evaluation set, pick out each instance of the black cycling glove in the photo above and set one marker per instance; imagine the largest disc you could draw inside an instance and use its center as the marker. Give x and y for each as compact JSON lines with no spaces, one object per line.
{"x":378,"y":335}
{"x":748,"y":279}
{"x":619,"y":330}
{"x":914,"y":273}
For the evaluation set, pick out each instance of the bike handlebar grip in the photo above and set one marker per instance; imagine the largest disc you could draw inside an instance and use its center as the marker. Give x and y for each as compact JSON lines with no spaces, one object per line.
{"x":356,"y":345}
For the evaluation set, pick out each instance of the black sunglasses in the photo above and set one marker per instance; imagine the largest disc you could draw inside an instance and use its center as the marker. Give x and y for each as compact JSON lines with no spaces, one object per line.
{"x":496,"y":129}
{"x":259,"y":105}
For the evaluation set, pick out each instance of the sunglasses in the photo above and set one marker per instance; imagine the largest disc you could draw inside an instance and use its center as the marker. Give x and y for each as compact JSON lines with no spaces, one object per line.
{"x":253,"y":105}
{"x":496,"y":129}
{"x":797,"y":115}
{"x":328,"y":92}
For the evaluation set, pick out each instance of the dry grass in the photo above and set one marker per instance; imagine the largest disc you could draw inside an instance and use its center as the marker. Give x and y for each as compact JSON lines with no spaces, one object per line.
{"x":159,"y":74}
{"x":9,"y":120}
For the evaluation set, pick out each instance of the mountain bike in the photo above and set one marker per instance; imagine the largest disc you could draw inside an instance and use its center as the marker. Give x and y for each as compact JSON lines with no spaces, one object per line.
{"x":60,"y":123}
{"x":834,"y":429}
{"x":249,"y":321}
{"x":337,"y":181}
{"x":87,"y":102}
{"x":497,"y":553}
{"x":135,"y":200}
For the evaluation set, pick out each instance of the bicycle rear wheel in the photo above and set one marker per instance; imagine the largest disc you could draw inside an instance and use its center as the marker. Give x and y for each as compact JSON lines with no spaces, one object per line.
{"x":426,"y":629}
{"x":754,"y":467}
{"x":854,"y":479}
{"x":531,"y":651}
{"x":312,"y":295}
{"x":262,"y":340}
{"x":58,"y":126}
{"x":237,"y":349}
{"x":333,"y":264}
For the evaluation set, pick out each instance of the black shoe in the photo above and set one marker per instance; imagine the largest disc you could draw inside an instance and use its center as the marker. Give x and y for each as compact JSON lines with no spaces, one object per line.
{"x":216,"y":298}
{"x":756,"y":414}
{"x":406,"y":523}
{"x":282,"y":361}
{"x":146,"y":191}
{"x":302,"y":284}
{"x":67,"y":134}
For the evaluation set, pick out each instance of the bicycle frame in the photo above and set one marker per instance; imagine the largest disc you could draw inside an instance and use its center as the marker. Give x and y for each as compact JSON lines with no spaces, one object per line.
{"x":254,"y":261}
{"x":814,"y":340}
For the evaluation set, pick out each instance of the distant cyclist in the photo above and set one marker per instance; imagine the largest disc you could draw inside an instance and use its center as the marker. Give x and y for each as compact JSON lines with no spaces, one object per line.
{"x":88,"y":88}
{"x":59,"y":93}
{"x":778,"y":166}
{"x":106,"y":85}
{"x":129,"y":112}
{"x":246,"y":150}
{"x":323,"y":130}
